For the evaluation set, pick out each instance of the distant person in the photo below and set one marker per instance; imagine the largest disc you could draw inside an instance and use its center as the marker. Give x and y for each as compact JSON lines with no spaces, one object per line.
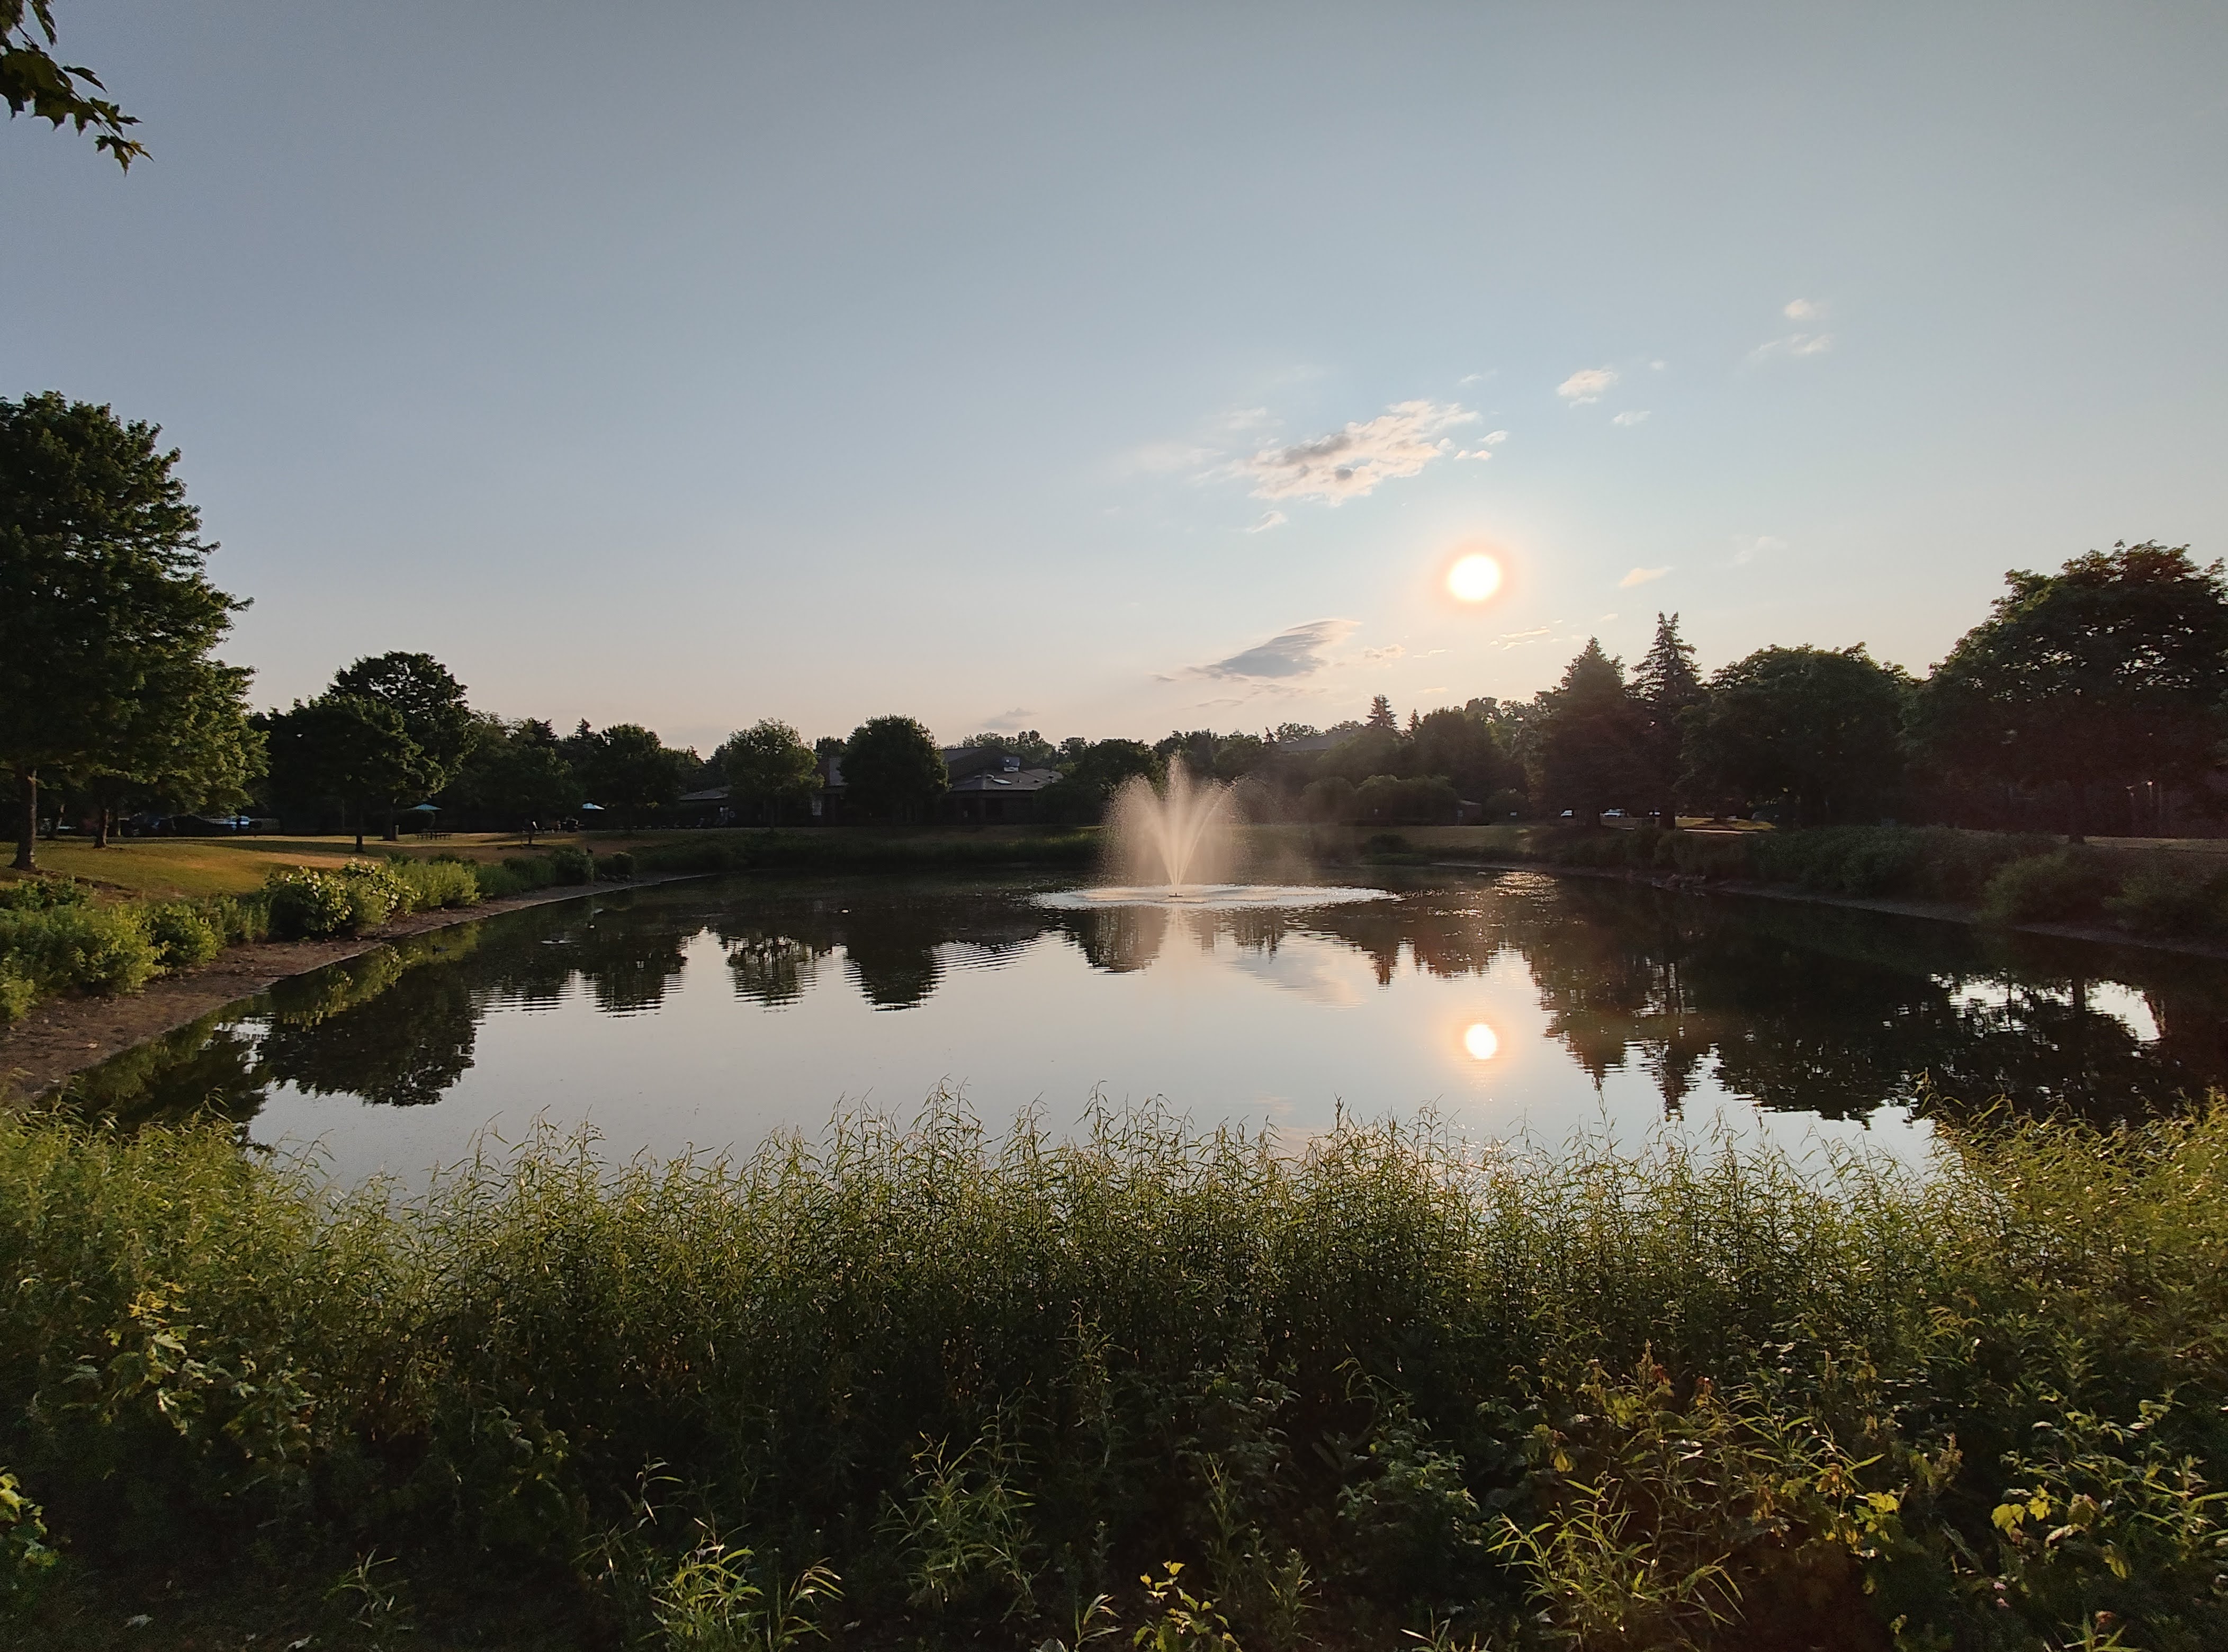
{"x":532,"y":827}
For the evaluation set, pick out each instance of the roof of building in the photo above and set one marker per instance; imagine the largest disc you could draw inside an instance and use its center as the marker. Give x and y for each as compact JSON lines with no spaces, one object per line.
{"x":1000,"y":782}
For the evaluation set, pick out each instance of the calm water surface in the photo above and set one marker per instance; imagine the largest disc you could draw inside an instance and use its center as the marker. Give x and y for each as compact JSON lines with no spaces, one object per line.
{"x":706,"y":1014}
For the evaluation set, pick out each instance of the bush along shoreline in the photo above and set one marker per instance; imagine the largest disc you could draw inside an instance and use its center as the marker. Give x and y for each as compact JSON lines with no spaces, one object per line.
{"x":923,"y":1386}
{"x":2159,"y":895}
{"x":56,"y":937}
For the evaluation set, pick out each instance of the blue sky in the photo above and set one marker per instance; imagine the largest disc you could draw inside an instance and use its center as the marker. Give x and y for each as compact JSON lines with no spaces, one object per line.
{"x":691,"y":364}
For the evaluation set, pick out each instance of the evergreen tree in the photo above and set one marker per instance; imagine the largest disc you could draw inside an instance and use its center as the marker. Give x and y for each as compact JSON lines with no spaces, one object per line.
{"x":1667,"y":685}
{"x":1381,"y":715}
{"x":1592,"y":746}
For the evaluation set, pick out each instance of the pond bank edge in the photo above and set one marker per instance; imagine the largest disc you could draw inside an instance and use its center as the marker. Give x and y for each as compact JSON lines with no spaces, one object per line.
{"x":1941,"y":910}
{"x":63,"y":1036}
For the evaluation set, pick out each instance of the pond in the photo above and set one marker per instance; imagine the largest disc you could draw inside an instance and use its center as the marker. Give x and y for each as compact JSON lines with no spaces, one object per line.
{"x":706,"y":1014}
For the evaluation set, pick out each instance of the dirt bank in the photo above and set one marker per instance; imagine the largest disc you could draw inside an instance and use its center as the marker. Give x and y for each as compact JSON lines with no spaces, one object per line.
{"x":63,"y":1035}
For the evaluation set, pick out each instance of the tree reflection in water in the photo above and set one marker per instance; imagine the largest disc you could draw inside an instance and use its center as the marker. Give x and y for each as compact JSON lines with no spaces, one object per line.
{"x":1795,"y":1006}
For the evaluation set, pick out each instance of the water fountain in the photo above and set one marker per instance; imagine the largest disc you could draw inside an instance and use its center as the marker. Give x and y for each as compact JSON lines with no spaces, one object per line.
{"x":1175,"y":846}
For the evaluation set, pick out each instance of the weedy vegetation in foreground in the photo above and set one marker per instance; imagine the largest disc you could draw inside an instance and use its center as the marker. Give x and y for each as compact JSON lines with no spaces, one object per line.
{"x":926,"y":1386}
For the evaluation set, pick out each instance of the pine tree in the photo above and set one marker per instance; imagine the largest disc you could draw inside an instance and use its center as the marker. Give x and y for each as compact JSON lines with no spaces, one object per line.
{"x":1667,"y":684}
{"x":1380,"y":714}
{"x":1667,"y":676}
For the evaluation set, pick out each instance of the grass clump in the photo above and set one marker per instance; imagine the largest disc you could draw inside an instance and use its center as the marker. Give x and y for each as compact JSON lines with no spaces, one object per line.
{"x":1669,"y":1397}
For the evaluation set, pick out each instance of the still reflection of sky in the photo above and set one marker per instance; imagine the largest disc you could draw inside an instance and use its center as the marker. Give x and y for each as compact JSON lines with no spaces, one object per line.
{"x":1509,"y":1007}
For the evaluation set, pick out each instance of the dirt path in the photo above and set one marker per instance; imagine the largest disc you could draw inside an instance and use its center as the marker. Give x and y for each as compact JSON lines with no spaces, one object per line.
{"x":63,"y":1035}
{"x":1940,"y":911}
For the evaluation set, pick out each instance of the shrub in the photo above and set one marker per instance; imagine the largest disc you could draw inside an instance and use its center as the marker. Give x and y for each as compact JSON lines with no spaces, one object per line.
{"x":616,"y":869}
{"x":240,"y":917}
{"x":2168,"y":896}
{"x":310,"y":903}
{"x":182,"y":934}
{"x":305,"y":904}
{"x":570,"y":865}
{"x":439,"y":882}
{"x":17,"y":990}
{"x":99,"y":950}
{"x":43,"y":895}
{"x":2045,"y":889}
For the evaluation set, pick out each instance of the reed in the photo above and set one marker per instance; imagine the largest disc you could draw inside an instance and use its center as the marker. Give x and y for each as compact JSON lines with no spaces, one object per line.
{"x":974,"y":1385}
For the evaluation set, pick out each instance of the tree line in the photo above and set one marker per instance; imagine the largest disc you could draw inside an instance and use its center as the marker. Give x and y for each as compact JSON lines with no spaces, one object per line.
{"x":2093,"y":696}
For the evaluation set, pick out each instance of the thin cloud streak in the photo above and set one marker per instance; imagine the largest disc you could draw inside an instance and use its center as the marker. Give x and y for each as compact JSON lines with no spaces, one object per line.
{"x":1349,"y":464}
{"x":1289,"y":656}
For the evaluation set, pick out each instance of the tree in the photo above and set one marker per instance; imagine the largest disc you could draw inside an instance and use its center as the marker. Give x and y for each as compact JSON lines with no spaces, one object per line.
{"x":1375,"y":748}
{"x":2108,"y":674}
{"x":31,"y":78}
{"x":516,"y":774}
{"x":1029,"y":747}
{"x":894,"y":769}
{"x":626,"y":768}
{"x":767,"y":766}
{"x":1463,"y":750}
{"x":432,"y":705}
{"x":103,"y":596}
{"x":1667,"y":685}
{"x":347,"y":749}
{"x":1591,"y":740}
{"x":1380,"y":714}
{"x":186,"y":742}
{"x":1819,"y":729}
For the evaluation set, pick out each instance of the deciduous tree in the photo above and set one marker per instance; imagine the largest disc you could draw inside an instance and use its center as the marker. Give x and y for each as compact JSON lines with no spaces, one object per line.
{"x":768,"y":767}
{"x":894,"y":769}
{"x":1818,"y":729}
{"x":346,"y":749}
{"x":32,"y":79}
{"x":104,"y":598}
{"x":2108,"y":673}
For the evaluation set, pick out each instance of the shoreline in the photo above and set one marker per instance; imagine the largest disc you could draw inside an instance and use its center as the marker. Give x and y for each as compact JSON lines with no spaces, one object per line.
{"x":1943,"y":911}
{"x":62,"y":1036}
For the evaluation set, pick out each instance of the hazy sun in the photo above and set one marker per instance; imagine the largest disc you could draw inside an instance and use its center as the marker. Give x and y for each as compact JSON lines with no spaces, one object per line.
{"x":1474,"y":578}
{"x":1481,"y":1042}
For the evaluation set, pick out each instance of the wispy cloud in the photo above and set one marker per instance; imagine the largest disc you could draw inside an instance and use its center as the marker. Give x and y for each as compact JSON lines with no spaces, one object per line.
{"x":1008,"y":721}
{"x":1642,"y":576}
{"x":1793,"y":346}
{"x":1390,"y":652}
{"x":1299,"y":652}
{"x":1486,"y":443}
{"x":1630,"y":417}
{"x":1518,"y":639}
{"x":1348,"y":464}
{"x":1802,"y":309}
{"x":1159,"y":457}
{"x":1748,"y":547}
{"x":1587,"y":384}
{"x":1268,"y":519}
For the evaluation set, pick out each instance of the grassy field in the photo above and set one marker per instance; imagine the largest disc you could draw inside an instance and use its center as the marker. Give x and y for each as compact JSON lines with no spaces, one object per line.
{"x":922,"y":1386}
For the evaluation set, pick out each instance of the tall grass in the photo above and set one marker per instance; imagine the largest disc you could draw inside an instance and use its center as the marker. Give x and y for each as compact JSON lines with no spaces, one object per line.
{"x":1673,"y":1397}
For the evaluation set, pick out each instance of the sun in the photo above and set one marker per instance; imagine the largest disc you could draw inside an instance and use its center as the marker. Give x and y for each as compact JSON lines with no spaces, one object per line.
{"x":1474,"y":578}
{"x":1481,"y":1042}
